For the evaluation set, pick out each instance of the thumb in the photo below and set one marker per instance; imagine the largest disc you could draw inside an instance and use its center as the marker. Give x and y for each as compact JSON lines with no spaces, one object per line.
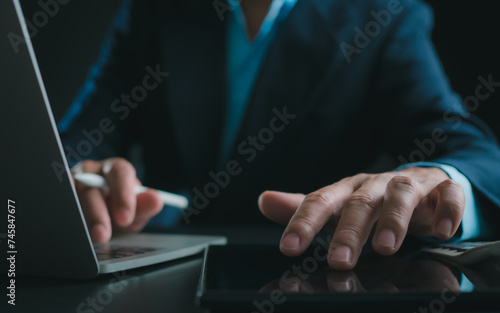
{"x":279,"y":206}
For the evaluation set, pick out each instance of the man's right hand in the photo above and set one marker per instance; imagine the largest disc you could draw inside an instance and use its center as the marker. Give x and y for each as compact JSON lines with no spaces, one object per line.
{"x":118,"y":209}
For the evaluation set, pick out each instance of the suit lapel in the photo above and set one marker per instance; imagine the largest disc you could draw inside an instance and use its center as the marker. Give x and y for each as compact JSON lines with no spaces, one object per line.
{"x":193,"y":51}
{"x":298,"y":64}
{"x":293,"y":74}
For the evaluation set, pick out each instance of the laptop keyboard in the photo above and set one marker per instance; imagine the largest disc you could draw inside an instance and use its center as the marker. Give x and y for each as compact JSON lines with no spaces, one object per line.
{"x":109,"y":252}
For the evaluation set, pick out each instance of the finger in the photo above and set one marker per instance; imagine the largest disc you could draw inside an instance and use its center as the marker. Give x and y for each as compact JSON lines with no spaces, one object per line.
{"x":401,"y":197}
{"x":121,"y":178}
{"x":295,"y":286}
{"x":386,"y":287}
{"x":344,"y":282}
{"x":359,"y":214}
{"x":270,"y":287}
{"x":279,"y":206}
{"x":449,"y":209}
{"x":314,"y":212}
{"x":149,"y":204}
{"x":431,"y":275}
{"x":290,"y":286}
{"x":87,"y":166}
{"x":96,"y":214}
{"x":423,"y":215}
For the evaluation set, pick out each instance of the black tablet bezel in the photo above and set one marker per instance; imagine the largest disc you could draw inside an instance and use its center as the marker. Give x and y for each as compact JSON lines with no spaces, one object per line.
{"x":222,"y":300}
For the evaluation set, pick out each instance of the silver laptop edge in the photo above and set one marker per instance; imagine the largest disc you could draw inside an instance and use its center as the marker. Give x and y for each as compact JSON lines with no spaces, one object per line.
{"x":178,"y":246}
{"x":34,"y":62}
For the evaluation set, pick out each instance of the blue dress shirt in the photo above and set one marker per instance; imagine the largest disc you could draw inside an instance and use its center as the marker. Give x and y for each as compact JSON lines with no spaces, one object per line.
{"x":244,"y":62}
{"x":245,"y":59}
{"x":243,"y":65}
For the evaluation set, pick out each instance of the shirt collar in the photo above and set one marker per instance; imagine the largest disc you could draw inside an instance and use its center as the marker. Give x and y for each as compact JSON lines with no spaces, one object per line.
{"x":275,"y":11}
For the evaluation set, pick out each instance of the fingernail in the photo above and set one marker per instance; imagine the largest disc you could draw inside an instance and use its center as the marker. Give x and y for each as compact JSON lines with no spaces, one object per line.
{"x":290,"y":242}
{"x":107,"y":166}
{"x":444,"y":227}
{"x":342,"y":286}
{"x":122,"y":216}
{"x":386,"y":238}
{"x":97,"y":231}
{"x":293,"y":287}
{"x":342,"y":254}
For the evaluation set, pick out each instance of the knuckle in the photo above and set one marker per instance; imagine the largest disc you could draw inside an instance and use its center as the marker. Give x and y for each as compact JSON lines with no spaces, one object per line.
{"x":396,"y":217}
{"x":306,"y":225}
{"x":349,"y":233}
{"x":455,"y":202}
{"x":456,"y":198}
{"x":319,"y":198}
{"x":449,"y":183}
{"x":121,"y":165}
{"x":365,"y":200}
{"x":404,"y":184}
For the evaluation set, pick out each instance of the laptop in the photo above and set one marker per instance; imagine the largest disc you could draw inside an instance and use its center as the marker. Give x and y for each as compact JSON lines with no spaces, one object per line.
{"x":43,"y":228}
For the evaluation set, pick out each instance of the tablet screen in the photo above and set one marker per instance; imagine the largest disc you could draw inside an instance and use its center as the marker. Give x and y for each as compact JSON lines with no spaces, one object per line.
{"x":264,"y":280}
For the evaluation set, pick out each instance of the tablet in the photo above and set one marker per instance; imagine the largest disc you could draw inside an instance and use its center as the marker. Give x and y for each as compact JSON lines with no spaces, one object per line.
{"x":259,"y":279}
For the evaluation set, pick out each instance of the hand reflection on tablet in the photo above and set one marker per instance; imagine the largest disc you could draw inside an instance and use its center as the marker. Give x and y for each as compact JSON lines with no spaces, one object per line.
{"x":373,"y":274}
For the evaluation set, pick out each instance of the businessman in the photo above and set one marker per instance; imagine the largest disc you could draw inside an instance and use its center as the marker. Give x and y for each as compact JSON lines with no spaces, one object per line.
{"x":230,"y":99}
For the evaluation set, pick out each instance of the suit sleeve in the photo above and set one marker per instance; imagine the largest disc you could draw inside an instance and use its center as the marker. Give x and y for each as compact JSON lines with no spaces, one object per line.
{"x":426,"y":121}
{"x":99,"y":123}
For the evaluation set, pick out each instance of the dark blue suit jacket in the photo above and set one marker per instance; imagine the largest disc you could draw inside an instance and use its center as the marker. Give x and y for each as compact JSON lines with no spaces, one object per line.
{"x":391,"y":102}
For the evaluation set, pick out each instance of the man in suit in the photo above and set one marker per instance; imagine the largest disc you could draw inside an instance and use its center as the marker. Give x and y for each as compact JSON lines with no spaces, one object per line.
{"x":229,"y":99}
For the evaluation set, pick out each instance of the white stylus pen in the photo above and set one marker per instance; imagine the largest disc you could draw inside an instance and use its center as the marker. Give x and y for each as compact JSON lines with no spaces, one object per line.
{"x":97,"y":181}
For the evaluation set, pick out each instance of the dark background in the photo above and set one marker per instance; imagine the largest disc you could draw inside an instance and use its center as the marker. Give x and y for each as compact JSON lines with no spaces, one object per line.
{"x":465,"y":34}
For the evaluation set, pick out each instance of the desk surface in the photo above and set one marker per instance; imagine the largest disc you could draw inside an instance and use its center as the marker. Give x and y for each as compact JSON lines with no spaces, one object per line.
{"x":167,"y":287}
